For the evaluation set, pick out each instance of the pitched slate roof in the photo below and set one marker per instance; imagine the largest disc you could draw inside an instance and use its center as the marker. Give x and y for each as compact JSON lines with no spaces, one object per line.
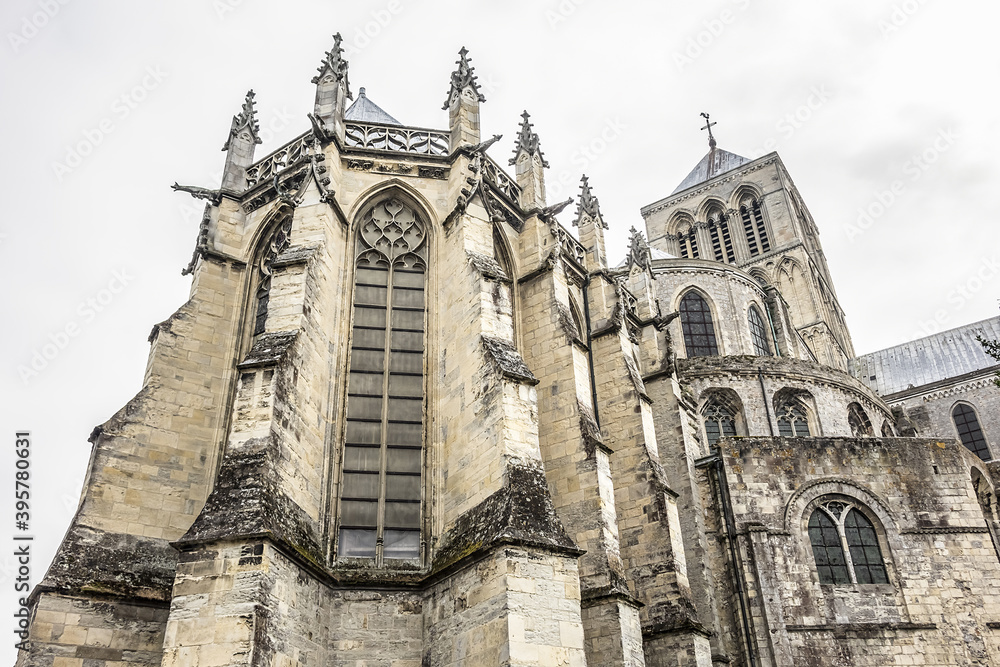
{"x":365,"y":111}
{"x":927,"y":360}
{"x":715,"y":162}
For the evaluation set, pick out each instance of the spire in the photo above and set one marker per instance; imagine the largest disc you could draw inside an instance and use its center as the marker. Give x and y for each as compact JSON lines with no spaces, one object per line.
{"x":462,"y":78}
{"x":246,"y":120}
{"x":335,"y":66}
{"x":527,"y":141}
{"x":243,"y":139}
{"x":588,"y":205}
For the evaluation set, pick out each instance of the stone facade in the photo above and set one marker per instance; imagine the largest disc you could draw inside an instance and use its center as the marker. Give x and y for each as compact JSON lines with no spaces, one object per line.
{"x":408,"y":419}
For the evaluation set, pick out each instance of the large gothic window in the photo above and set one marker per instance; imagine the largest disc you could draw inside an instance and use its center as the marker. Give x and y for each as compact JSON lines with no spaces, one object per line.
{"x":754,"y":227}
{"x":758,"y":333}
{"x":720,"y":422}
{"x":845,"y":545}
{"x":969,"y":430}
{"x":275,"y":246}
{"x":696,"y":323}
{"x":857,"y":418}
{"x":381,"y":485}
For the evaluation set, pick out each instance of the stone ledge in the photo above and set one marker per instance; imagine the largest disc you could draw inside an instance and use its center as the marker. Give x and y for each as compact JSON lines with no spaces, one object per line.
{"x":268,"y":349}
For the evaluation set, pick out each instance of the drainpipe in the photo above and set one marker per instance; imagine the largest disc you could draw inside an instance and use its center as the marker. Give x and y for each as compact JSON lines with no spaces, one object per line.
{"x":763,"y":395}
{"x":739,"y":582}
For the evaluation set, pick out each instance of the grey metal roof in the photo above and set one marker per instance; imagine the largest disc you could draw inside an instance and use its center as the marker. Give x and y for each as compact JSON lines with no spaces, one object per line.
{"x":365,"y":111}
{"x":926,"y":360}
{"x":715,"y":162}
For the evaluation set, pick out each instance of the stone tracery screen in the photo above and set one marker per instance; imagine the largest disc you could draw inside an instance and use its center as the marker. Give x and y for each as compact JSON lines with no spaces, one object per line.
{"x":380,"y":493}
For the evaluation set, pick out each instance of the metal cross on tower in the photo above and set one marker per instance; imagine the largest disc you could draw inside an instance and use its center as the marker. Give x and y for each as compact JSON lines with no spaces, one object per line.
{"x":708,"y":126}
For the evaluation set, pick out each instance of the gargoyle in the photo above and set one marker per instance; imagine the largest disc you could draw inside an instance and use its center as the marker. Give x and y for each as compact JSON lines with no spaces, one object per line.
{"x":214,"y":196}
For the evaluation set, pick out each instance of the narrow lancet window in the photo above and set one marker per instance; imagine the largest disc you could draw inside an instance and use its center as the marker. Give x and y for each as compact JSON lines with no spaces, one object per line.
{"x":277,"y":244}
{"x":758,"y":333}
{"x":969,"y":431}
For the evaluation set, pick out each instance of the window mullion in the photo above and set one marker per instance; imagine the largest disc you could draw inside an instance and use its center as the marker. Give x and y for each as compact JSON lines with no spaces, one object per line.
{"x":845,"y":546}
{"x":384,"y":437}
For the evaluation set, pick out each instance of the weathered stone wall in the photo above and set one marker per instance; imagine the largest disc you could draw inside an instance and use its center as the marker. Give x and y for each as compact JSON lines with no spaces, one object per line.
{"x":831,"y":391}
{"x":937,"y":607}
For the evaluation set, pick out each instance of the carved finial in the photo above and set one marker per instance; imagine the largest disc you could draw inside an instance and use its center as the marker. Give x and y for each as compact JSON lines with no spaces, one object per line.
{"x":527,"y":141}
{"x":588,"y":205}
{"x":708,"y":126}
{"x":334,"y":65}
{"x":246,"y":120}
{"x":462,"y":78}
{"x":638,"y":250}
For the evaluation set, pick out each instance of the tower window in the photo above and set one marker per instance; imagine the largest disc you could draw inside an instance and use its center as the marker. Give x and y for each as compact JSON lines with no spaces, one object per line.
{"x":758,"y":333}
{"x":754,"y":227}
{"x":381,"y":486}
{"x":969,"y":430}
{"x":722,"y":241}
{"x":696,"y":323}
{"x":689,"y":244}
{"x":845,"y":545}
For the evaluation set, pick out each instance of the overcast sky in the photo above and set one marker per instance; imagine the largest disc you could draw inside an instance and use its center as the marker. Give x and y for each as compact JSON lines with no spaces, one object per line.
{"x":884,"y":113}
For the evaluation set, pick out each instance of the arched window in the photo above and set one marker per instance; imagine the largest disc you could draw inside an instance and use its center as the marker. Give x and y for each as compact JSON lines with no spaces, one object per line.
{"x":758,"y":333}
{"x":887,"y":431}
{"x":381,"y":485}
{"x":722,"y":240}
{"x":720,"y":422}
{"x":969,"y":430}
{"x":793,"y":421}
{"x":696,"y":323}
{"x":688,"y":240}
{"x":276,"y":245}
{"x":861,"y":426}
{"x":754,"y":228}
{"x":845,"y":545}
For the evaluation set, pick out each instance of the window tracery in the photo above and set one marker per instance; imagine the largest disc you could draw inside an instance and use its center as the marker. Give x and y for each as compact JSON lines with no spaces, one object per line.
{"x":720,"y":422}
{"x":845,"y":545}
{"x":857,"y":418}
{"x":792,"y":419}
{"x":276,"y":245}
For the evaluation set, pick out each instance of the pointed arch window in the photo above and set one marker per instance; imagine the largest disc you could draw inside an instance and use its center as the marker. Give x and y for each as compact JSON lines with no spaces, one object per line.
{"x":697,"y":326}
{"x":969,"y":431}
{"x":380,"y":492}
{"x":754,"y":227}
{"x":276,"y":245}
{"x":793,"y":420}
{"x":720,"y":422}
{"x":758,"y":333}
{"x":857,"y":418}
{"x":845,"y":545}
{"x":722,"y":240}
{"x":688,"y":240}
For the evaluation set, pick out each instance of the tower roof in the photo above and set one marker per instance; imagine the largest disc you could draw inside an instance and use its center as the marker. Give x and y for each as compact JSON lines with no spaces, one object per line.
{"x":715,"y":162}
{"x":365,"y":111}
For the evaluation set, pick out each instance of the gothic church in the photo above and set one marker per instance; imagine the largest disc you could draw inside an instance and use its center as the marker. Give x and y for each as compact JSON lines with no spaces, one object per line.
{"x":412,"y":415}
